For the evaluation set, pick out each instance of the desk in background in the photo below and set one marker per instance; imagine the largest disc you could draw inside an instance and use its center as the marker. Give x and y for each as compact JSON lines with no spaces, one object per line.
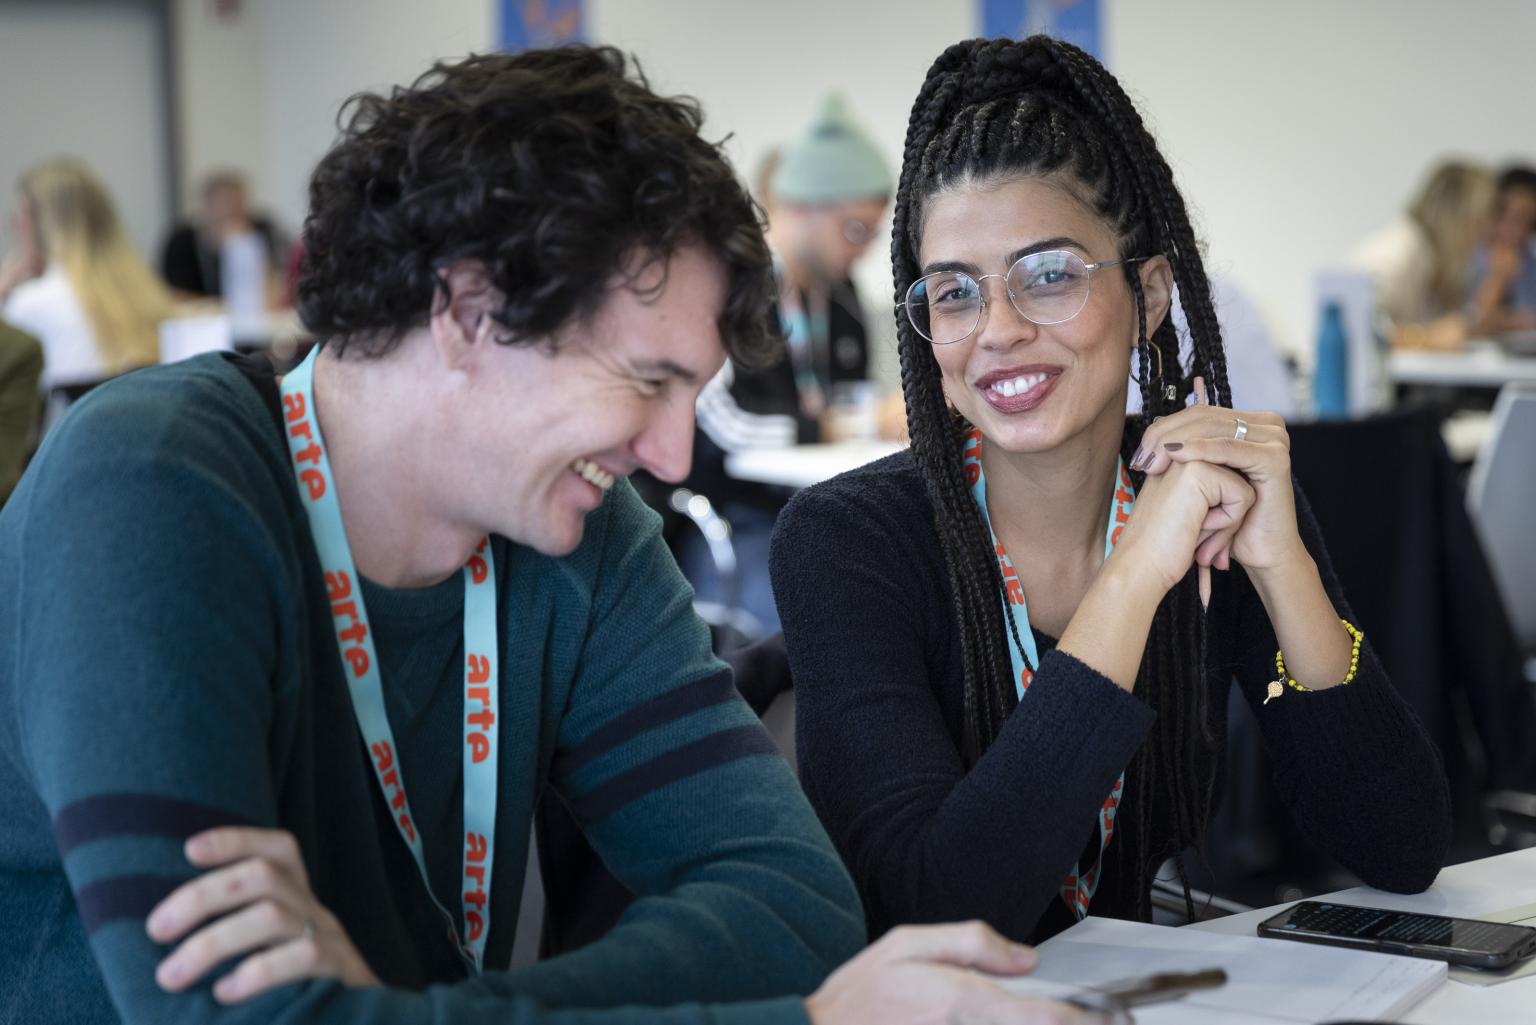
{"x":278,"y":331}
{"x":800,"y":466}
{"x":203,"y":327}
{"x":1470,"y":890}
{"x":1483,"y":364}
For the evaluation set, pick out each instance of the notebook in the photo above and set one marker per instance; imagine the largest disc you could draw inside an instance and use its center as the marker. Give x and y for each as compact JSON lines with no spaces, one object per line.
{"x":1269,"y":982}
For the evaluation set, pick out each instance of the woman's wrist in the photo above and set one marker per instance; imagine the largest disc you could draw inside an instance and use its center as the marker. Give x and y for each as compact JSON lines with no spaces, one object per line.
{"x":1287,"y":576}
{"x":1108,"y":632}
{"x":1131,"y":582}
{"x":1317,"y":648}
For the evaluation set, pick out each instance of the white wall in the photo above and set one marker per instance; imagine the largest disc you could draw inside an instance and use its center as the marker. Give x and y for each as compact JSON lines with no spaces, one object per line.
{"x":1295,"y":128}
{"x":318,"y":54}
{"x":84,"y":79}
{"x":260,"y":91}
{"x":221,"y":96}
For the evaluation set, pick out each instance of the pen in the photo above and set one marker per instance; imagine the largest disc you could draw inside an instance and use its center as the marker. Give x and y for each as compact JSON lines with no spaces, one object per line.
{"x":1204,"y":571}
{"x":1116,"y":998}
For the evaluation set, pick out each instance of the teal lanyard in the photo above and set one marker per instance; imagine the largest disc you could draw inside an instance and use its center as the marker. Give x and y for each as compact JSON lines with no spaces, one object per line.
{"x":1078,"y":888}
{"x":360,"y":668}
{"x":804,"y":334}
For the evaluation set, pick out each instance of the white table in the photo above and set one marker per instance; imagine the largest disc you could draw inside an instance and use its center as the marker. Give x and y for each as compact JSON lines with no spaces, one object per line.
{"x":203,"y":326}
{"x":1482,"y":364}
{"x":1470,"y":890}
{"x":800,"y":466}
{"x":276,"y":329}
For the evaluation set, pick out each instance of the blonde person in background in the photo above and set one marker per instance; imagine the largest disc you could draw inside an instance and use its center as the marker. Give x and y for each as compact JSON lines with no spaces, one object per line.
{"x":74,"y":280}
{"x":1420,"y":261}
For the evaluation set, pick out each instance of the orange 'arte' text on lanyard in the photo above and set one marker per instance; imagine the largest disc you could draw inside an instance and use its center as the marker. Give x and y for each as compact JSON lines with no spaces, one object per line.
{"x":360,"y":668}
{"x":1077,"y":889}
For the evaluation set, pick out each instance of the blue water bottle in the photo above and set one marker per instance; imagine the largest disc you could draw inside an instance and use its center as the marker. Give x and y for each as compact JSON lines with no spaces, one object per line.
{"x":1330,"y":384}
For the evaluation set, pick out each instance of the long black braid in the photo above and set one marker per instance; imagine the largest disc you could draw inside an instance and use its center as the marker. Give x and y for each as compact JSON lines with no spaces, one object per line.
{"x":993,"y":109}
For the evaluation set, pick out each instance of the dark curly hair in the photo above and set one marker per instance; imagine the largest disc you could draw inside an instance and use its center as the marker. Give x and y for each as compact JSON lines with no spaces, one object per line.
{"x":1041,"y":108}
{"x":552,"y":168}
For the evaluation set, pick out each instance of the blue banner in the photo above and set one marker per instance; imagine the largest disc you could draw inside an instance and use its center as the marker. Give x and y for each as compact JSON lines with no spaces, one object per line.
{"x":1074,"y":21}
{"x":532,"y":24}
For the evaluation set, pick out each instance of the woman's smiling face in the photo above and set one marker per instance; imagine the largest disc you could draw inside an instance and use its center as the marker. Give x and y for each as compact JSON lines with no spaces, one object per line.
{"x":1030,"y":387}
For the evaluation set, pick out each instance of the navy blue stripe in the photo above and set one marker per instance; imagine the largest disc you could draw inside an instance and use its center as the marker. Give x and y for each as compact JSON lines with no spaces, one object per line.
{"x":108,"y":900}
{"x":707,"y":753}
{"x":130,"y":814}
{"x":658,"y":711}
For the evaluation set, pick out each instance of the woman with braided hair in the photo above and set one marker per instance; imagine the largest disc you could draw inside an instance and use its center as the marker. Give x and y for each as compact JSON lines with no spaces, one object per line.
{"x":1010,"y":662}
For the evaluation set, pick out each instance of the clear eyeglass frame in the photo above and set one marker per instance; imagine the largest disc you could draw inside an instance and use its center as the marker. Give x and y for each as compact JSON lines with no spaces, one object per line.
{"x":856,"y":232}
{"x":1029,"y":260}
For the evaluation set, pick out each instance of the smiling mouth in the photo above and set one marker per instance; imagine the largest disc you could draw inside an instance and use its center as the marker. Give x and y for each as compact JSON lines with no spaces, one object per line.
{"x":593,"y":474}
{"x":1024,"y":383}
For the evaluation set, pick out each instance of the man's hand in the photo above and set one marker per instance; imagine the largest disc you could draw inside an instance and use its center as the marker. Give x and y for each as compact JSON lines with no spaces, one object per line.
{"x":916,"y":975}
{"x":256,"y":902}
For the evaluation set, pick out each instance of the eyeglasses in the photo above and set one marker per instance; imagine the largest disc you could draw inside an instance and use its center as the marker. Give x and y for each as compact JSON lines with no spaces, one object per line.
{"x":856,"y":232}
{"x":1046,"y":288}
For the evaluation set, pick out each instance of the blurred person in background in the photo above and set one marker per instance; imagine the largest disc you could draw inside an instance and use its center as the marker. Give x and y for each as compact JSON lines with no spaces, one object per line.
{"x":21,"y":364}
{"x":75,"y":281}
{"x":1420,"y":261}
{"x":1503,"y":279}
{"x":825,"y":195}
{"x":192,"y":260}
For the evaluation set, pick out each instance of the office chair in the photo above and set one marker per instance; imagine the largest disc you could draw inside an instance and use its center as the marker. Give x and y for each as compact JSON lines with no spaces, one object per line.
{"x":731,"y":625}
{"x":1501,"y":496}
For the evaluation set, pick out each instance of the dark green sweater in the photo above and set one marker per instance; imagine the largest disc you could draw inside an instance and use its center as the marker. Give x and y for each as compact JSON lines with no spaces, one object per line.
{"x":167,"y":663}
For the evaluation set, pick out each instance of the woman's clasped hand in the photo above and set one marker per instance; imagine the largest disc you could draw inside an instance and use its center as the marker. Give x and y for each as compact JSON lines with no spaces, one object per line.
{"x":1217,"y":490}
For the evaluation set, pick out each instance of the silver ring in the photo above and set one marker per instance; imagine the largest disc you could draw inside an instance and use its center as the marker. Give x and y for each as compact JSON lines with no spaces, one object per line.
{"x":1242,"y":430}
{"x":309,"y":930}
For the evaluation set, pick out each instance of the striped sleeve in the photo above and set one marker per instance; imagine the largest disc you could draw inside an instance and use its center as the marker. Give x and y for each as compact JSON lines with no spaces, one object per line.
{"x":733,"y":428}
{"x":663,"y":715}
{"x":687,"y":801}
{"x":148,"y":608}
{"x":142,"y":666}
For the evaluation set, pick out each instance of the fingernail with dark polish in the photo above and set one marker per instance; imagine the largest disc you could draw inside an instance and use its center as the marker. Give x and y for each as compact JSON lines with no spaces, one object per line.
{"x":1173,"y":446}
{"x":1138,"y":458}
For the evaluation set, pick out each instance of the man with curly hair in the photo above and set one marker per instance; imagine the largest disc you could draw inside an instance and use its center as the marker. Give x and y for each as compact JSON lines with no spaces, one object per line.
{"x":288,"y":660}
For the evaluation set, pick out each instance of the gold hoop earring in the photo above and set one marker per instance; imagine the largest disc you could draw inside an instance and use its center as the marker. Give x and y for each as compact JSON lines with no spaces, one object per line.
{"x":1170,"y":392}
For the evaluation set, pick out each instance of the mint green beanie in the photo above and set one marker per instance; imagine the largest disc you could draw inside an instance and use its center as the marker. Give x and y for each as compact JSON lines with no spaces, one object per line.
{"x":834,"y":161}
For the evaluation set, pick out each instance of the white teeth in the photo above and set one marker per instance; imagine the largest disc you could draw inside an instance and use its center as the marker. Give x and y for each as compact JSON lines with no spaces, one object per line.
{"x":593,"y":474}
{"x":1018,"y":385}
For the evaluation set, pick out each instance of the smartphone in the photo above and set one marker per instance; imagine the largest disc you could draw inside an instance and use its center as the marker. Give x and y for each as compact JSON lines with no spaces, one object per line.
{"x":1462,"y":941}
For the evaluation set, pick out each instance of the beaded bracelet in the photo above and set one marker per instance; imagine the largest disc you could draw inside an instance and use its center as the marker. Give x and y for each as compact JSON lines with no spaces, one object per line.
{"x":1277,"y":686}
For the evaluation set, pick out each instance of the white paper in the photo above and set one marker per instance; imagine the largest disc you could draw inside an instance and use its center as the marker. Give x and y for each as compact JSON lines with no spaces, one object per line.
{"x":1268,"y":981}
{"x":184,"y":337}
